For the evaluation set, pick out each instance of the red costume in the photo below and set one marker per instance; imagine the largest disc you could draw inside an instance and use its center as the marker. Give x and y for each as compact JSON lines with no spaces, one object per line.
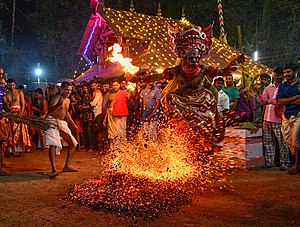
{"x":192,"y":108}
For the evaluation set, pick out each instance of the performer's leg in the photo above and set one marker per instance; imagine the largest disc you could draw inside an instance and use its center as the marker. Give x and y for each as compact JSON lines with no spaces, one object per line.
{"x":70,"y":153}
{"x":52,"y":161}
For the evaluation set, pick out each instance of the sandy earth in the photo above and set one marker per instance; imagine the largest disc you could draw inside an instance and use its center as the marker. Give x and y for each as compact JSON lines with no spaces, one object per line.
{"x":29,"y":198}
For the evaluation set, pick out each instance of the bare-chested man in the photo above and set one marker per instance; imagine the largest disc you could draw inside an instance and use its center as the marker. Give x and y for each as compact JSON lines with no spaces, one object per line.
{"x":19,"y":137}
{"x":58,"y":110}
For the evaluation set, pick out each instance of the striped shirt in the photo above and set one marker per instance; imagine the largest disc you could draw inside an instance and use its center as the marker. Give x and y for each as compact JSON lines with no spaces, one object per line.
{"x":268,"y":98}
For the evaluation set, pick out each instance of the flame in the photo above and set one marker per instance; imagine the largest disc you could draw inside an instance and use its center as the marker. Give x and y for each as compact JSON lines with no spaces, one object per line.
{"x":145,"y":179}
{"x":131,"y":86}
{"x":124,"y":62}
{"x":159,"y":70}
{"x":166,"y":160}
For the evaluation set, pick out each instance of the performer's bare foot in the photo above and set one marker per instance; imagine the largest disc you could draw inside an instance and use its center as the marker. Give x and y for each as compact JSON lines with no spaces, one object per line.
{"x":69,"y":170}
{"x":3,"y":173}
{"x":53,"y":175}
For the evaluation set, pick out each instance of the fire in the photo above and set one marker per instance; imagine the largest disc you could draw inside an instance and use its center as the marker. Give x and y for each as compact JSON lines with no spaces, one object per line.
{"x":147,"y":179}
{"x":131,"y":86}
{"x":166,"y":160}
{"x":117,"y":56}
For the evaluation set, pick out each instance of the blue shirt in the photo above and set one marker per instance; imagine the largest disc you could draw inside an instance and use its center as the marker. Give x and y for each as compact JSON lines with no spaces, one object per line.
{"x":285,"y":90}
{"x":149,"y":102}
{"x":232,"y":92}
{"x":2,"y":94}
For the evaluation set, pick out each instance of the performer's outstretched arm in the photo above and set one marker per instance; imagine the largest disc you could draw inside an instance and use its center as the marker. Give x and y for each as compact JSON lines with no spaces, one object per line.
{"x":232,"y":66}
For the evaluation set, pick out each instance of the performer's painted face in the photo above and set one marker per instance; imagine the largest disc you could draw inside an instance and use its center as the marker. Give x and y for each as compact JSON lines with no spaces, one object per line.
{"x":191,"y":60}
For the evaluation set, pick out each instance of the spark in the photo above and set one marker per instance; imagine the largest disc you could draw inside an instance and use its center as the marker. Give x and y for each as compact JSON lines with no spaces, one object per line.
{"x":145,"y":179}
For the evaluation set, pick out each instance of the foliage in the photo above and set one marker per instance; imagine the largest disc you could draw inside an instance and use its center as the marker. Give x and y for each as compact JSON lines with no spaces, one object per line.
{"x":59,"y":26}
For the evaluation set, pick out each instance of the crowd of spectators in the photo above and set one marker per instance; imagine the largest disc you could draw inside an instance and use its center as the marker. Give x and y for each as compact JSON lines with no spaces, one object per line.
{"x":108,"y":113}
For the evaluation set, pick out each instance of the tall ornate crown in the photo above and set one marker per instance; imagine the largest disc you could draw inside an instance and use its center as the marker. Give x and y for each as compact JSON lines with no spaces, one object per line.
{"x":191,"y":37}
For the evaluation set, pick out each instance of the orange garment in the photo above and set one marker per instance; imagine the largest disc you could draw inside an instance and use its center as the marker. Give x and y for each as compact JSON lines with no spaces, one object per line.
{"x":19,"y":134}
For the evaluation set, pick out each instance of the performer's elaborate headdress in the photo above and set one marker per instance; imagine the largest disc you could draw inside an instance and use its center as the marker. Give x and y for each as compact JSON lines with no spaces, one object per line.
{"x":191,"y":37}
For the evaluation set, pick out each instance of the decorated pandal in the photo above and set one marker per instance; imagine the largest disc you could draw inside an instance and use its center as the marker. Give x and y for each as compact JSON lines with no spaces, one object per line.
{"x":145,"y":180}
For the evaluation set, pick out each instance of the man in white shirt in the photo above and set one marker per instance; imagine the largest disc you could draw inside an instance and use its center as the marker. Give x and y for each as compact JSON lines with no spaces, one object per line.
{"x":96,"y":103}
{"x":223,"y":98}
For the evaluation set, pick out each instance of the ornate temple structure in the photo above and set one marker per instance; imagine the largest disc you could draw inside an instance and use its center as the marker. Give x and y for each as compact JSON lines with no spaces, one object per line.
{"x":145,"y":40}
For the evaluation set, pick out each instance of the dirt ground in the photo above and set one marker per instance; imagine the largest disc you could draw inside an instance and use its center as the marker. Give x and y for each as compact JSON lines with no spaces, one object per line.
{"x":29,"y":198}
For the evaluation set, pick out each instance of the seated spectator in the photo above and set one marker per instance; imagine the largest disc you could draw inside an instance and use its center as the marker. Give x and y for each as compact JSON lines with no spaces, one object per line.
{"x":245,"y":107}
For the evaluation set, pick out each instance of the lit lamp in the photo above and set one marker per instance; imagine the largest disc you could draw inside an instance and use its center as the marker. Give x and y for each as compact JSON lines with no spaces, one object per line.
{"x":255,"y":57}
{"x":38,"y":72}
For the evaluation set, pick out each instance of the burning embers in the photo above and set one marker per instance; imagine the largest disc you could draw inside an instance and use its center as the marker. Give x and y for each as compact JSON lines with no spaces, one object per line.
{"x":133,"y":197}
{"x":145,"y":180}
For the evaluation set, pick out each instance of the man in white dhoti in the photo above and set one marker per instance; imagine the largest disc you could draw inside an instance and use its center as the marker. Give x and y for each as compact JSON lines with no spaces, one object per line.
{"x":116,"y":115}
{"x":58,"y":109}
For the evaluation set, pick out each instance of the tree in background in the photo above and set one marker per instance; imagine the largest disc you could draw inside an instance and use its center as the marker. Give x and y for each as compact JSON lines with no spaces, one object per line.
{"x":59,"y":26}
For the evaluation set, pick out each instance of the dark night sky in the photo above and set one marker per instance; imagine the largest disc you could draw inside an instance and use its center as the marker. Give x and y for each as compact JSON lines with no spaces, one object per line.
{"x":27,"y":38}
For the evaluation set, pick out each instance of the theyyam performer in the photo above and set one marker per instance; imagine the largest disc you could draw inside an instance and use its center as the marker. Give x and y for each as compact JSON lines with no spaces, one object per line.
{"x":192,"y":109}
{"x":58,"y":110}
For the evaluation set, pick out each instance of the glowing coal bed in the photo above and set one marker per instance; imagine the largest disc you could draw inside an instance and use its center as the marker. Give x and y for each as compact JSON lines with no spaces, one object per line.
{"x":145,"y":180}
